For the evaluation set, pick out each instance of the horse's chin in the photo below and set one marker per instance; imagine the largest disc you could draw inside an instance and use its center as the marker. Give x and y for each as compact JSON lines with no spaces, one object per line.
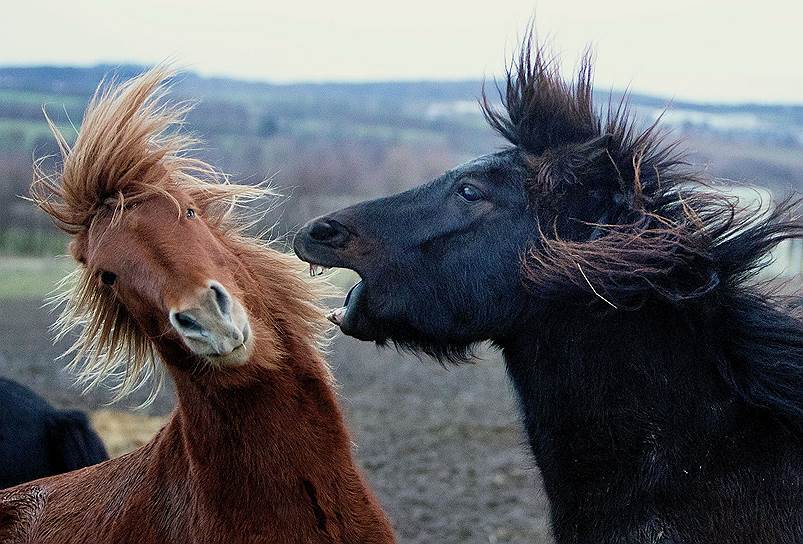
{"x":356,"y":319}
{"x":351,"y":320}
{"x":237,"y":357}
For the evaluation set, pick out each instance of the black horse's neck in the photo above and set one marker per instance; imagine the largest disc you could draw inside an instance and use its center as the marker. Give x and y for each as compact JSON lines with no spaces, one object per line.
{"x":634,"y":429}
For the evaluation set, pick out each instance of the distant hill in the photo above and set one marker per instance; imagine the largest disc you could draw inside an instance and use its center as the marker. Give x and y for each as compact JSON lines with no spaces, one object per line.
{"x":333,"y":143}
{"x":83,"y":80}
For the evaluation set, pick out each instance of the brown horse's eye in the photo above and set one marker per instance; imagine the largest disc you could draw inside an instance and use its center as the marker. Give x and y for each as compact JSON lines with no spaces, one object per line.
{"x":190,"y":213}
{"x":108,"y":277}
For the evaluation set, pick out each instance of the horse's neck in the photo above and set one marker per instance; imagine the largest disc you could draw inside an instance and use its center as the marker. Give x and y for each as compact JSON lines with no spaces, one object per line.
{"x":608,"y":402}
{"x":264,"y":441}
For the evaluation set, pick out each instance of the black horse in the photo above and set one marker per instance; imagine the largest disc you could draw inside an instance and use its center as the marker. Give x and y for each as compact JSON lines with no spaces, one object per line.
{"x":37,"y":440}
{"x":661,"y":389}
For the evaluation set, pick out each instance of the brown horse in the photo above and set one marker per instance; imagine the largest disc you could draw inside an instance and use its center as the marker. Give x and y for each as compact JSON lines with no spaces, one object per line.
{"x":256,"y":450}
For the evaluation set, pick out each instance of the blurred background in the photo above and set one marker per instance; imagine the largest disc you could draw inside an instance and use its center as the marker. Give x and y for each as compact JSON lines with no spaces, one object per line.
{"x":340,"y":102}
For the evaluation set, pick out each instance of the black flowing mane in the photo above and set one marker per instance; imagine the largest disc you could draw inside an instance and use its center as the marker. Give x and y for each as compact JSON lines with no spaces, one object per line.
{"x":667,"y":233}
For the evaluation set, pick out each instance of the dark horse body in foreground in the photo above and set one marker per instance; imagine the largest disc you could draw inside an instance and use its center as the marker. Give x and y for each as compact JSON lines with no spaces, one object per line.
{"x":661,"y":390}
{"x":38,"y":440}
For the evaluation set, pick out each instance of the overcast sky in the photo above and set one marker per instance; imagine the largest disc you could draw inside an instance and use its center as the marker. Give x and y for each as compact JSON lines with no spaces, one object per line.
{"x":708,"y":50}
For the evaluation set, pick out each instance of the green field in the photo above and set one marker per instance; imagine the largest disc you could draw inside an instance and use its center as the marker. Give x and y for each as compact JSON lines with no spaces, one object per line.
{"x":23,"y":134}
{"x":13,"y":96}
{"x":20,"y":242}
{"x":31,"y":277}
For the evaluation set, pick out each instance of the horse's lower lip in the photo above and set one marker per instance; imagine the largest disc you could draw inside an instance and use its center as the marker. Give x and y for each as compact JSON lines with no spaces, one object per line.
{"x":351,"y":291}
{"x":338,"y":315}
{"x":238,"y":348}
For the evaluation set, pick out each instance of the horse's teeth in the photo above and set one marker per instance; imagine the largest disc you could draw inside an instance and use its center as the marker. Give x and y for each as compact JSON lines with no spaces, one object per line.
{"x":316,"y":270}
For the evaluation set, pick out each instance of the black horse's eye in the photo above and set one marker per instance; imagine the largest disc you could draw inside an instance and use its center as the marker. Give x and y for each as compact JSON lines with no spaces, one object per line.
{"x":108,"y":277}
{"x":190,"y":213}
{"x":470,"y":193}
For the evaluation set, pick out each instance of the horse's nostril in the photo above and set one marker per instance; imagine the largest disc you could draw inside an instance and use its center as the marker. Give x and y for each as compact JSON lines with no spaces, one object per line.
{"x":187,"y":323}
{"x":328,"y":231}
{"x":322,"y":231}
{"x":212,"y":323}
{"x":222,"y":297}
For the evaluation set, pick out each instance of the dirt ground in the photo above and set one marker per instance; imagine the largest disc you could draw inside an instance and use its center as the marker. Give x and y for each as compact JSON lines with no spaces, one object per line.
{"x":442,"y":448}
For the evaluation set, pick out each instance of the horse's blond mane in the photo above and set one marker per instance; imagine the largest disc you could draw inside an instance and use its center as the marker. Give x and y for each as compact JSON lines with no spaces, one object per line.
{"x":128,"y":149}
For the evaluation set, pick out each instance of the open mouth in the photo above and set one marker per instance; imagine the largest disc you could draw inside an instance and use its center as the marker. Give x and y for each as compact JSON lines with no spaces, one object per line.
{"x":339,"y":316}
{"x":322,"y":257}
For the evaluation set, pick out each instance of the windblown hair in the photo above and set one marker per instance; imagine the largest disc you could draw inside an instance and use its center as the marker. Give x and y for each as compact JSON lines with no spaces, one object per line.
{"x":625,"y":219}
{"x":658,"y":227}
{"x":127,"y":150}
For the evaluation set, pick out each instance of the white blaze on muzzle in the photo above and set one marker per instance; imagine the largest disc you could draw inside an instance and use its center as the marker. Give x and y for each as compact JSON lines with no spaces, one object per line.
{"x":214,"y":325}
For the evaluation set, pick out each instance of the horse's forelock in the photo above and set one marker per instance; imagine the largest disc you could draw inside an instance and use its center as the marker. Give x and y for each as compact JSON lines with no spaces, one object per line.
{"x":128,"y":149}
{"x":662,"y":228}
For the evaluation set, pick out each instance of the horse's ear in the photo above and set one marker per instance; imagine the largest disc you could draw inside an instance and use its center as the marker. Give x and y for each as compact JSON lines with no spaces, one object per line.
{"x":595,"y":149}
{"x":78,"y":248}
{"x":579,"y":164}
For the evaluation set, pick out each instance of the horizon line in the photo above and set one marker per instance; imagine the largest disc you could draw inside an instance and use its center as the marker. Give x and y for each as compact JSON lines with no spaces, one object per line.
{"x":629,"y":90}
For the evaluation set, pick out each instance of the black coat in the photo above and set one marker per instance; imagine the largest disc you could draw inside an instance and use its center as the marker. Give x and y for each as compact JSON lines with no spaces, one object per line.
{"x":38,"y":440}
